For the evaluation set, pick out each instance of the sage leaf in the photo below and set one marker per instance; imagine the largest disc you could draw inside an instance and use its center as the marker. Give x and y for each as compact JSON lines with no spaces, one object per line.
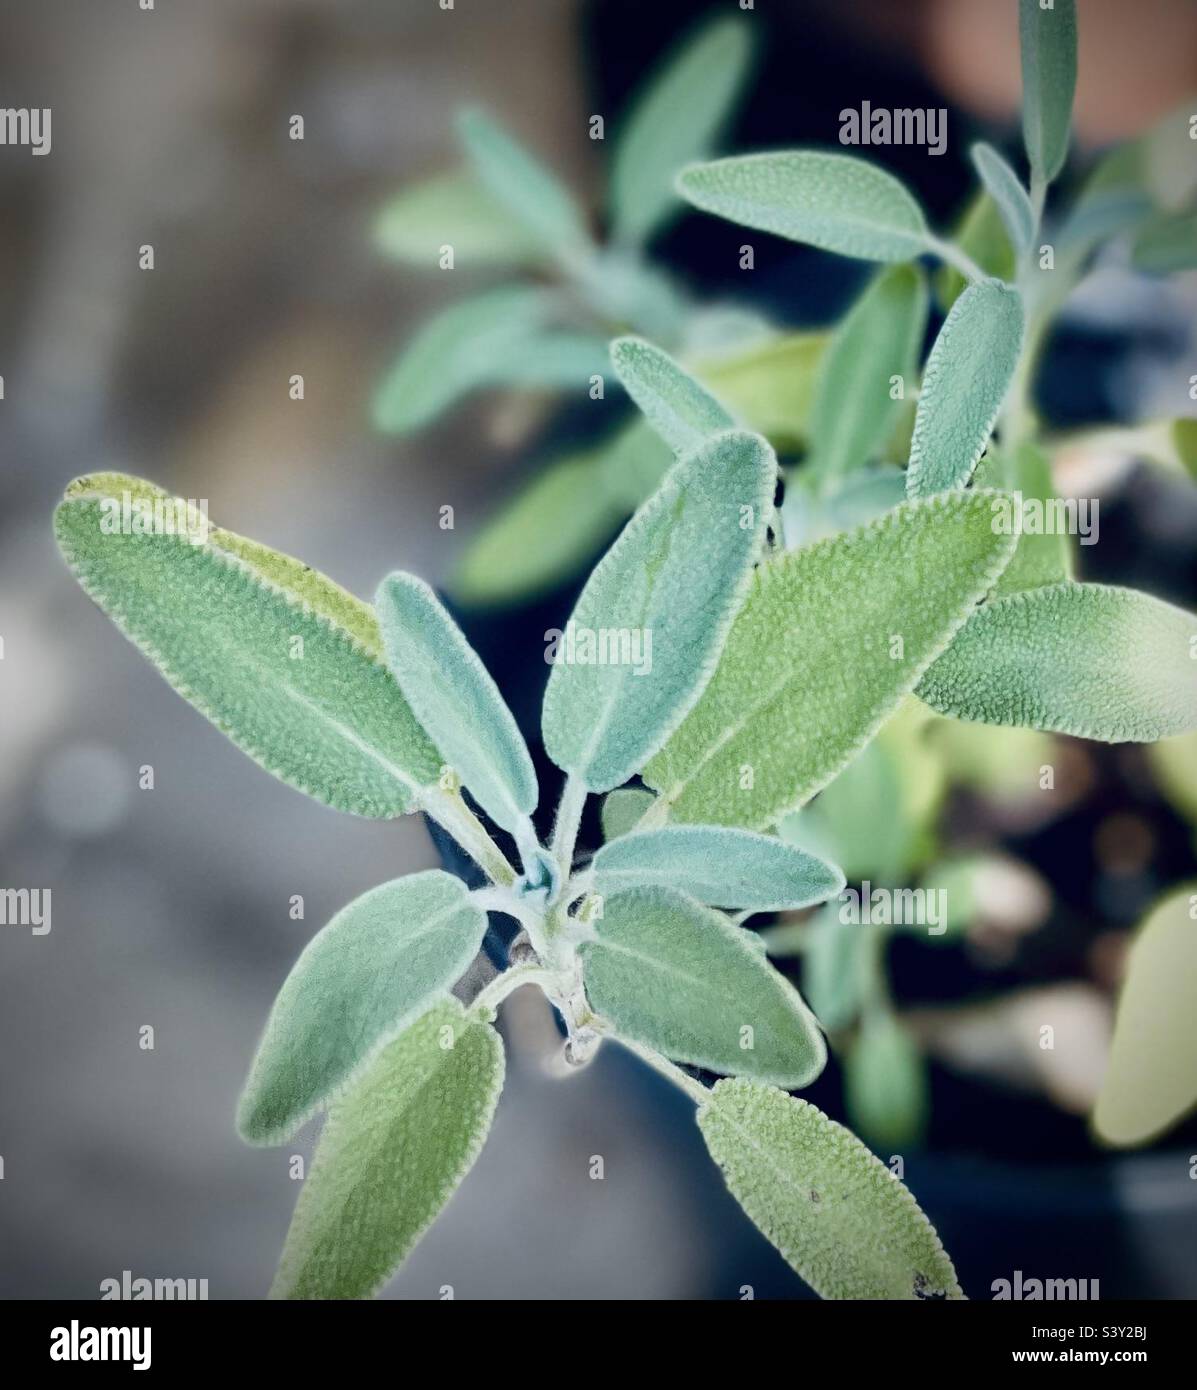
{"x":680,"y":978}
{"x":674,"y":578}
{"x":520,"y":183}
{"x":717,"y":865}
{"x":541,"y":536}
{"x":885,"y":1084}
{"x":1151,"y":1078}
{"x":771,"y":386}
{"x":780,"y":717}
{"x":622,"y":810}
{"x":381,"y":961}
{"x":457,"y":351}
{"x":834,"y":962}
{"x":833,"y":201}
{"x":1047,"y":39}
{"x":453,"y":210}
{"x":965,"y":382}
{"x":456,"y":700}
{"x":854,"y":405}
{"x":1043,"y":554}
{"x":1004,"y":187}
{"x":840,"y":1218}
{"x":394,"y":1149}
{"x":297,"y":691}
{"x":1085,"y":659}
{"x":673,"y":121}
{"x":1167,"y":244}
{"x":681,"y":411}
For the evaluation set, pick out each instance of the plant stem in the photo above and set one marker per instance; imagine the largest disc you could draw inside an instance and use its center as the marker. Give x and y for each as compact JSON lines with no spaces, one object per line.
{"x":450,"y":812}
{"x":953,"y":256}
{"x":509,"y":981}
{"x":697,"y":1092}
{"x":569,"y":819}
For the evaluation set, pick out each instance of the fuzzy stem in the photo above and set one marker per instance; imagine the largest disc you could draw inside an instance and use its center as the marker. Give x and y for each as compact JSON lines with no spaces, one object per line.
{"x":955,"y":257}
{"x":450,"y":812}
{"x":569,"y":819}
{"x":508,"y":982}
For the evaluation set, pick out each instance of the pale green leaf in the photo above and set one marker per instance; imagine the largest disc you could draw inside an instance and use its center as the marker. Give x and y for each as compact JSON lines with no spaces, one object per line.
{"x":1167,"y":244}
{"x":1044,"y":554}
{"x":809,"y":514}
{"x":681,"y":411}
{"x":520,"y":183}
{"x":982,"y":236}
{"x":674,"y":578}
{"x":298,"y":692}
{"x":1004,"y":187}
{"x":632,"y":465}
{"x":1084,"y":659}
{"x":885,"y":1084}
{"x":622,"y":810}
{"x":1151,"y":1079}
{"x":674,"y":120}
{"x":718,"y":865}
{"x":854,"y":404}
{"x":770,"y":386}
{"x":394,"y":1149}
{"x":781,"y":715}
{"x":680,"y":978}
{"x":455,"y":352}
{"x":839,"y":1216}
{"x":1174,"y":767}
{"x":381,"y":961}
{"x":834,"y":967}
{"x":965,"y":382}
{"x":833,"y":201}
{"x":456,"y":700}
{"x":541,"y":536}
{"x":453,"y":210}
{"x":1047,"y":38}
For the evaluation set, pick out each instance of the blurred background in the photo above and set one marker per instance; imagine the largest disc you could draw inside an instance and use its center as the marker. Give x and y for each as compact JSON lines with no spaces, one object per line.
{"x":171,"y":906}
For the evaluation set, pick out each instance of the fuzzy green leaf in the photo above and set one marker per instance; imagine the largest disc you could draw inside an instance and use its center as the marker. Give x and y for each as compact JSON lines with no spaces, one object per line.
{"x":967,"y":376}
{"x":673,"y":121}
{"x":1043,"y":555}
{"x":622,"y":810}
{"x":394,"y":1149}
{"x":681,"y":411}
{"x":381,"y":961}
{"x":675,"y":578}
{"x":682,"y":979}
{"x":833,"y":201}
{"x":1007,"y":192}
{"x":834,"y":964}
{"x":770,"y":386}
{"x":453,"y":210}
{"x":1084,"y":659}
{"x":540,"y":537}
{"x":1151,"y":1079}
{"x":885,"y":1084}
{"x":1047,"y":38}
{"x":1167,"y":244}
{"x":838,"y":1216}
{"x":717,"y":865}
{"x":298,"y":692}
{"x":456,"y":700}
{"x":781,"y":715}
{"x":854,"y":406}
{"x":465,"y":347}
{"x":520,"y":183}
